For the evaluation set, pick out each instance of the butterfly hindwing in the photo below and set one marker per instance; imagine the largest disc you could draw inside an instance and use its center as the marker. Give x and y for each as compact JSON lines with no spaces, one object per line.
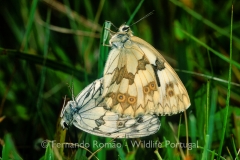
{"x":139,"y":81}
{"x":89,"y":114}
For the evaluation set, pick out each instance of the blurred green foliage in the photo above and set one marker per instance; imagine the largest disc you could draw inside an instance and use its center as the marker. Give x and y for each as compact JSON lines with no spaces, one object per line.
{"x":46,"y":44}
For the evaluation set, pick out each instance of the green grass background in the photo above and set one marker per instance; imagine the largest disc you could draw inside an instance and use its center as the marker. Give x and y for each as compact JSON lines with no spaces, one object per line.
{"x":46,"y":44}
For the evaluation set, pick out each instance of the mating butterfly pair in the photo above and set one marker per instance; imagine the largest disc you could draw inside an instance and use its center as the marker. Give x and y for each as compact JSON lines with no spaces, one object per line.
{"x":138,"y":84}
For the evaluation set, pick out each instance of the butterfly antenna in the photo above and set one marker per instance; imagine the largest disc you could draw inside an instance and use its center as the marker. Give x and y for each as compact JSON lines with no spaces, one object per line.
{"x":149,"y":14}
{"x":63,"y":107}
{"x":72,"y":91}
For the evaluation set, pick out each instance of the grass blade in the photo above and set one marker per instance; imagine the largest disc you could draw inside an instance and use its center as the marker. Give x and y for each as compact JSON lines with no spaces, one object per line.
{"x":228,"y":91}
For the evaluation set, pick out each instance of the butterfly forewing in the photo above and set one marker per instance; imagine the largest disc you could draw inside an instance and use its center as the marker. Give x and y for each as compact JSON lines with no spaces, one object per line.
{"x":139,"y":81}
{"x":88,"y":113}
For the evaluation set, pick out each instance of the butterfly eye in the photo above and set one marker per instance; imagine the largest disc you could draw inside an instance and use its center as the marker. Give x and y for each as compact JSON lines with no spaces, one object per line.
{"x":125,"y":28}
{"x":121,"y":97}
{"x":65,"y":125}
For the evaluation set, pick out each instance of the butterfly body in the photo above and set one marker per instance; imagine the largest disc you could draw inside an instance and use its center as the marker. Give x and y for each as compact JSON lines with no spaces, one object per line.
{"x":139,"y":81}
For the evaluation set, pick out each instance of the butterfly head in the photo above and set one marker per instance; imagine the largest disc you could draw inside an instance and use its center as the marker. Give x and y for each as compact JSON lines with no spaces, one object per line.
{"x":123,"y":35}
{"x":67,"y":114}
{"x":125,"y":29}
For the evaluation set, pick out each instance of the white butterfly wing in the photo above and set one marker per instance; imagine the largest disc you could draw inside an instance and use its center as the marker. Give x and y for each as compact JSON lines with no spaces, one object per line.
{"x":139,"y":81}
{"x":88,"y":113}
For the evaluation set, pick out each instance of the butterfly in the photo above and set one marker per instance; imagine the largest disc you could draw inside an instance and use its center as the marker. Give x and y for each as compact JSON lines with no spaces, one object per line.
{"x":138,"y":80}
{"x":88,"y":112}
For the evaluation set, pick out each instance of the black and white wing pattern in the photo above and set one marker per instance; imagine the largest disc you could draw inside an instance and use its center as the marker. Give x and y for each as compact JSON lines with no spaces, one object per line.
{"x":139,"y":81}
{"x":88,"y":113}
